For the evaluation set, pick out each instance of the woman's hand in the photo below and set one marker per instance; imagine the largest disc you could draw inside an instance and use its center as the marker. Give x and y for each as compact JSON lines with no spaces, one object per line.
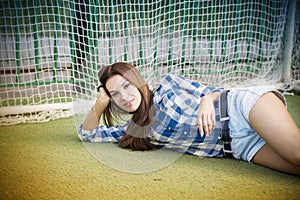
{"x":206,"y":120}
{"x":93,"y":118}
{"x":103,"y":97}
{"x":101,"y":102}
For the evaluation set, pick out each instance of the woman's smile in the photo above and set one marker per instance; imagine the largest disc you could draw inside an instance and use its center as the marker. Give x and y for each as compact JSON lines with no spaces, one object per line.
{"x":129,"y":103}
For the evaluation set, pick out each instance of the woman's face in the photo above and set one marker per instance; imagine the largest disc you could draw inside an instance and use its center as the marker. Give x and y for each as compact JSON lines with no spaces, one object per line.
{"x":123,"y":93}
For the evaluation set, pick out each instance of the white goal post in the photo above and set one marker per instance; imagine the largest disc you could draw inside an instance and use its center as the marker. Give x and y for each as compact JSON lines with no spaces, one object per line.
{"x":51,"y":51}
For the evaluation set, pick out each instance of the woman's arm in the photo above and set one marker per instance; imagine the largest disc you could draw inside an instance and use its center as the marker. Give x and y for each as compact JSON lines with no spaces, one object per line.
{"x":206,"y":114}
{"x":93,"y":118}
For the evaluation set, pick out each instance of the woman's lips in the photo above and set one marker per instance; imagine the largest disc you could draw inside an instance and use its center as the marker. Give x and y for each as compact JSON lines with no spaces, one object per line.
{"x":129,"y":103}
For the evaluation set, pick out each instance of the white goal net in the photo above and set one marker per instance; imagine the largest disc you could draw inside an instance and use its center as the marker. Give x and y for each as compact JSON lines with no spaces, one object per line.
{"x":51,"y":50}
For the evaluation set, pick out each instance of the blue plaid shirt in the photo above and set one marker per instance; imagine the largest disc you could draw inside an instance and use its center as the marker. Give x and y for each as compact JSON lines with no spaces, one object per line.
{"x":176,"y":102}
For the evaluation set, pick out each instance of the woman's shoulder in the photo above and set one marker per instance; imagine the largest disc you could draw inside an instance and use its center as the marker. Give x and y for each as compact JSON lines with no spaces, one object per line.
{"x":173,"y":77}
{"x":168,"y":81}
{"x":180,"y":80}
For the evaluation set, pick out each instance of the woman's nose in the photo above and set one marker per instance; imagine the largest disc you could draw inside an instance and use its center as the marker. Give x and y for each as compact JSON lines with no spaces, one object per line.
{"x":125,"y":96}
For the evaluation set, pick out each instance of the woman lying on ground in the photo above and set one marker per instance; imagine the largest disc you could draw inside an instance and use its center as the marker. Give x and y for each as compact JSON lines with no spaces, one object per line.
{"x":192,"y":118}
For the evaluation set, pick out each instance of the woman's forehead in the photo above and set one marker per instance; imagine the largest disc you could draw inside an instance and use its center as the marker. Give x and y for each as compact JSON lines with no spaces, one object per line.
{"x":115,"y":82}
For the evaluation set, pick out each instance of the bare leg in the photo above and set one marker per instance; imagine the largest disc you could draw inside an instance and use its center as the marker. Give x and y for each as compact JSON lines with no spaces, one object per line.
{"x":268,"y":157}
{"x":274,"y":124}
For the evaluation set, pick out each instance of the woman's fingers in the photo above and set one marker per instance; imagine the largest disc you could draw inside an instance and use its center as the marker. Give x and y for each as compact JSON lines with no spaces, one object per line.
{"x":206,"y":124}
{"x":206,"y":115}
{"x":103,"y":94}
{"x":200,"y":125}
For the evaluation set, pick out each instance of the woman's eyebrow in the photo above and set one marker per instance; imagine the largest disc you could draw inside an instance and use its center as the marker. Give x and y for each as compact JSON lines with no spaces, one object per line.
{"x":125,"y":82}
{"x":121,"y":86}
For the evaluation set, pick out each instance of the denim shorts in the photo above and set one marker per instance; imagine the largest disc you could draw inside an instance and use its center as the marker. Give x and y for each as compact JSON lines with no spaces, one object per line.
{"x":245,"y":141}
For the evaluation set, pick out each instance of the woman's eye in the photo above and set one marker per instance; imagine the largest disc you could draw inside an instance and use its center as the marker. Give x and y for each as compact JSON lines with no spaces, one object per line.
{"x":115,"y":94}
{"x":126,"y":86}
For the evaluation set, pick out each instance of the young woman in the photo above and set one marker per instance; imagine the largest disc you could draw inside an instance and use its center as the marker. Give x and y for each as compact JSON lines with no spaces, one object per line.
{"x":185,"y":115}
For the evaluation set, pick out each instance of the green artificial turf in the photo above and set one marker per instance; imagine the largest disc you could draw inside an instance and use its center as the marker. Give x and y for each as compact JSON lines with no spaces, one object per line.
{"x":293,"y":106}
{"x":47,"y":161}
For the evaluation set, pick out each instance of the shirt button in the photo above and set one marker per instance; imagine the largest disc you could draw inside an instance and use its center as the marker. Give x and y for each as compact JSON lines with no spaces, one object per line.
{"x":184,"y":132}
{"x":169,"y":128}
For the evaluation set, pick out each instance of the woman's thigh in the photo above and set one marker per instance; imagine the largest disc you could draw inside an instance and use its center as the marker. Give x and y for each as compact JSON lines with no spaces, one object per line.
{"x":271,"y":120}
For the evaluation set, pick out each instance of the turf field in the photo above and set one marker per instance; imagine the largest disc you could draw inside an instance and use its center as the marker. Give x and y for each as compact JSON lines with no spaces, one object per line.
{"x":47,"y":161}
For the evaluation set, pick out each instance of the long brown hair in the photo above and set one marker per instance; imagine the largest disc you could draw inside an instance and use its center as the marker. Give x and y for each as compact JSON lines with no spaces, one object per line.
{"x":137,"y":133}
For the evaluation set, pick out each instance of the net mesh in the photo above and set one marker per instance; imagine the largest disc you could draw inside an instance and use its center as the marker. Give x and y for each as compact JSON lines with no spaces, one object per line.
{"x":51,"y":51}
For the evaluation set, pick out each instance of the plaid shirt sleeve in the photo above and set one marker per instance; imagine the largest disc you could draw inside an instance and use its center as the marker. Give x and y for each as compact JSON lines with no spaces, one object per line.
{"x":102,"y":133}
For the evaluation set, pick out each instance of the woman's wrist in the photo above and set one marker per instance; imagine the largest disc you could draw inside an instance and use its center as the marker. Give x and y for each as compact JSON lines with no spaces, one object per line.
{"x":100,"y":105}
{"x":207,"y":97}
{"x":102,"y":100}
{"x":214,"y":96}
